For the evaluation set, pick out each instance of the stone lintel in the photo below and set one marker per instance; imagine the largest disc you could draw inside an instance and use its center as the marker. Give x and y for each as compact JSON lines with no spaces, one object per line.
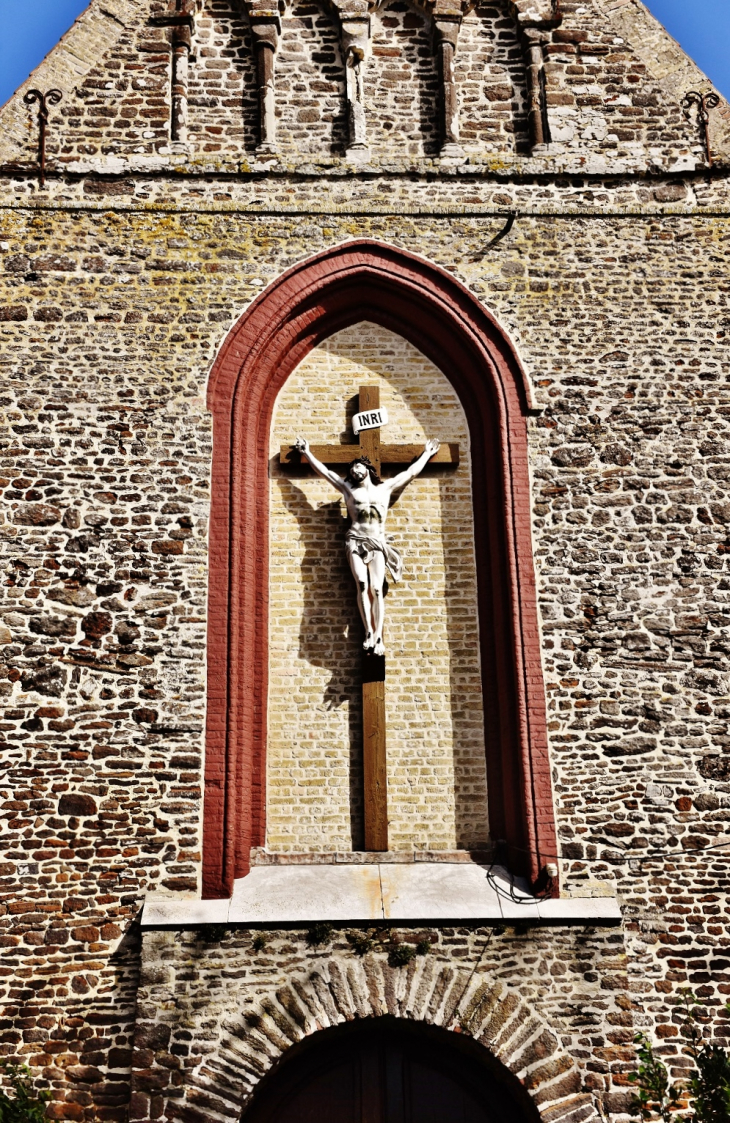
{"x":262,"y":857}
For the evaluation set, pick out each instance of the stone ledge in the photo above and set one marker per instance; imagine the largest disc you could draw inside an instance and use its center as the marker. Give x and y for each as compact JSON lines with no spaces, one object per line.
{"x":433,"y":892}
{"x":262,"y":857}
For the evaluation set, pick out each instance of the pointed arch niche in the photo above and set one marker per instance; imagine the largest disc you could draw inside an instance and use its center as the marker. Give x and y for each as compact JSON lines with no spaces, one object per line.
{"x":365,"y":280}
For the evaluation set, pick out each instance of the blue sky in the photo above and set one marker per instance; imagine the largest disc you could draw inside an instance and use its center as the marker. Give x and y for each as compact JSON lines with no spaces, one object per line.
{"x":29,"y":28}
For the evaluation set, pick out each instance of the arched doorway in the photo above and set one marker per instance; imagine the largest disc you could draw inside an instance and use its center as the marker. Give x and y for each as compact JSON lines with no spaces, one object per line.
{"x":388,"y":1070}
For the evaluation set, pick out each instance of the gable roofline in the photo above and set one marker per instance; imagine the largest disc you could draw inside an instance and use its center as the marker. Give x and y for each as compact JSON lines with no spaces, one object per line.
{"x":666,"y":61}
{"x":101,"y":25}
{"x":93,"y":33}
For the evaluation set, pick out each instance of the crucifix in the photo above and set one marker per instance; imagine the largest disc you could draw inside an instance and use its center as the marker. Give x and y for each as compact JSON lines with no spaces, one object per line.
{"x":369,"y":553}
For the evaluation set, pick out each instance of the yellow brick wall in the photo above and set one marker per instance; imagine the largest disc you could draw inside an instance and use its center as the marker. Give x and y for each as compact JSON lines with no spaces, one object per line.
{"x":436,"y":769}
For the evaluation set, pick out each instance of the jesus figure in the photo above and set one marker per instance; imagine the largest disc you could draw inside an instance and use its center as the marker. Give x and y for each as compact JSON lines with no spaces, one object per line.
{"x":369,"y":551}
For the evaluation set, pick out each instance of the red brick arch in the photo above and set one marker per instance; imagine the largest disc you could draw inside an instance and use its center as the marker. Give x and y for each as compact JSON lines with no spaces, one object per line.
{"x":367,"y":280}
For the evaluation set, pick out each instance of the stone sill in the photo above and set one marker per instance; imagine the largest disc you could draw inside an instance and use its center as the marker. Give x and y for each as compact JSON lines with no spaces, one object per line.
{"x":263,"y":857}
{"x":410,"y":892}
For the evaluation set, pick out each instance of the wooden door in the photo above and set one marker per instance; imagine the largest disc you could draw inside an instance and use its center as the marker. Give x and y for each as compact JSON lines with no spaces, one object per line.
{"x":375,"y":1074}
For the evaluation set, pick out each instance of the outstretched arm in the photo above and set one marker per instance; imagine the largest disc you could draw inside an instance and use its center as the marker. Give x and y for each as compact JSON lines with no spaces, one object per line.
{"x":415,"y":468}
{"x":320,"y":468}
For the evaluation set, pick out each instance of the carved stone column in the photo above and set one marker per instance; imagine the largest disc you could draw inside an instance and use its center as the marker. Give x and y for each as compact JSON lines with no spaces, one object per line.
{"x":181,"y":43}
{"x":532,"y":45}
{"x":266,"y":29}
{"x":535,"y":20}
{"x":180,"y":19}
{"x":446,"y":32}
{"x":355,"y":41}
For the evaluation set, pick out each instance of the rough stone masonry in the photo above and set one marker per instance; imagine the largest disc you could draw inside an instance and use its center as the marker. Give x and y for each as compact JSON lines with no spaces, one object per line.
{"x":199,"y":150}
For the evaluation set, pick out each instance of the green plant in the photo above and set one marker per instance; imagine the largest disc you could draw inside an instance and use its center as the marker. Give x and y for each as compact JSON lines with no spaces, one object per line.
{"x":213,"y":933}
{"x":318,"y":934}
{"x":401,"y":954}
{"x":259,"y":942}
{"x":27,"y":1105}
{"x":361,"y":942}
{"x":655,"y":1095}
{"x":708,"y":1087}
{"x":374,"y":939}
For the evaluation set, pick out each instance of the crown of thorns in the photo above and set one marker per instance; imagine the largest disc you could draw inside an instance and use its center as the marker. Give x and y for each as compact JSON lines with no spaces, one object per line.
{"x":374,"y":476}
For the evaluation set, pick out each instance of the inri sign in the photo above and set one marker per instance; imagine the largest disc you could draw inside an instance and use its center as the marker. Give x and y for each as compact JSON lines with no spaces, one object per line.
{"x":373,"y":419}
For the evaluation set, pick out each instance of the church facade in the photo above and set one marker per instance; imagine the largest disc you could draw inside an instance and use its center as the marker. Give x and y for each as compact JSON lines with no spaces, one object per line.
{"x":248,"y":869}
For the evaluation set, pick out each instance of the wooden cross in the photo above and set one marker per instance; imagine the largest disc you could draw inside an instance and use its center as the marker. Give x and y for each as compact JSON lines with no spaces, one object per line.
{"x":373,"y":679}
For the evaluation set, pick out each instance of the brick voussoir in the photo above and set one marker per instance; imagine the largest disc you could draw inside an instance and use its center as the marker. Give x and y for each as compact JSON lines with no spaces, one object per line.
{"x":553,"y":1069}
{"x":576,"y":1109}
{"x":544,"y":1045}
{"x":505,"y":1010}
{"x":566,"y":1085}
{"x":517,"y":1033}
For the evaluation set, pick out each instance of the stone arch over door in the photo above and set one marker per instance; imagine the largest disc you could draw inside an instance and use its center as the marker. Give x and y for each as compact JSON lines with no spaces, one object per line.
{"x":366,"y":280}
{"x":247,"y":1040}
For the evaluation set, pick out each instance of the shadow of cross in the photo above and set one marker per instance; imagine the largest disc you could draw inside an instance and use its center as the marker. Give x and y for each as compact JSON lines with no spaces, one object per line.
{"x":373,"y":671}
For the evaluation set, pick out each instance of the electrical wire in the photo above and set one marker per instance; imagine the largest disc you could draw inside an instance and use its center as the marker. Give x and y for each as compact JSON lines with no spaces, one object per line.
{"x":512,"y":895}
{"x":500,"y":852}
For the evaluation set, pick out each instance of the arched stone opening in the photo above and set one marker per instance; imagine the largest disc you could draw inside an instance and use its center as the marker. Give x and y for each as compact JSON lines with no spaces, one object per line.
{"x":364,"y":280}
{"x":464,"y":1012}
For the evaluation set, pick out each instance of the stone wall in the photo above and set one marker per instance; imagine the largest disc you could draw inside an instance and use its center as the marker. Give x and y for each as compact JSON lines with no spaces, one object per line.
{"x":401,"y":83}
{"x":122,"y":105}
{"x":310,"y":81}
{"x":118,"y":285}
{"x":551,"y":1005}
{"x":222,"y":114}
{"x":436,"y":761}
{"x":611,"y":102}
{"x":111,"y":319}
{"x":490,"y":73}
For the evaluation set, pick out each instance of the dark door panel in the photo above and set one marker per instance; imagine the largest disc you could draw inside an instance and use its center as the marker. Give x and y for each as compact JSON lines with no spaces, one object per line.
{"x":382,"y":1071}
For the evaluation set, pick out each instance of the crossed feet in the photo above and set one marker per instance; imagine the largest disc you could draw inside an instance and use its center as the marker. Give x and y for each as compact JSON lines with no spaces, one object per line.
{"x":374,"y":644}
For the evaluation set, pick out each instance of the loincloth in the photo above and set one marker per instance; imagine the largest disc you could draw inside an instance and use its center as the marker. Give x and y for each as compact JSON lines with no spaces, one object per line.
{"x":365,"y":547}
